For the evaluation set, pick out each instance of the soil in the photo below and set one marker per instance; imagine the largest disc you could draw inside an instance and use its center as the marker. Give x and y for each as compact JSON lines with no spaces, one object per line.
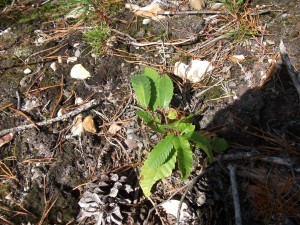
{"x":49,"y":176}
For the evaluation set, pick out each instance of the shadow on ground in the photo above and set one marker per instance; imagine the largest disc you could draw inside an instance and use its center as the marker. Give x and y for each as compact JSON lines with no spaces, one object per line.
{"x":263,"y":127}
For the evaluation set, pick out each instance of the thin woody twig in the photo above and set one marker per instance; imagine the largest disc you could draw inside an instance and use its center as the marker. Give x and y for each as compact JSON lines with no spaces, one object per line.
{"x":195,"y":12}
{"x":60,"y":96}
{"x":134,"y":42}
{"x":235,"y":194}
{"x":190,"y":12}
{"x":54,"y":120}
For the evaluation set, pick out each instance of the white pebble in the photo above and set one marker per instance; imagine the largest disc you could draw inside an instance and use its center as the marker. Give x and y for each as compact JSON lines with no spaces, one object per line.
{"x":27,"y":71}
{"x":79,"y":72}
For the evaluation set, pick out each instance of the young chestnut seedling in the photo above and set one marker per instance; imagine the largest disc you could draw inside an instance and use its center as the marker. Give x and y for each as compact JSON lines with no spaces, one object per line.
{"x":154,"y":94}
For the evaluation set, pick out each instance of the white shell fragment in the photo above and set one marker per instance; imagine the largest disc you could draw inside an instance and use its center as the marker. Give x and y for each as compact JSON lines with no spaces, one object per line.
{"x":171,"y":207}
{"x":77,"y":128}
{"x":54,"y":66}
{"x":79,"y":72}
{"x":194,"y":72}
{"x":27,"y":71}
{"x":72,"y":59}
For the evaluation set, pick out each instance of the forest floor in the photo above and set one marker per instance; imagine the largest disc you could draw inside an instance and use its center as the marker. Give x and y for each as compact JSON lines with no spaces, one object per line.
{"x":50,"y":173}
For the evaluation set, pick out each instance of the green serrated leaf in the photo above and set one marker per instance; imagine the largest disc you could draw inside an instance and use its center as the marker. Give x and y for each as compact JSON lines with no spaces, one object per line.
{"x":220,"y":145}
{"x":144,"y":115}
{"x":159,"y":153}
{"x":185,"y":156}
{"x":154,"y":78}
{"x":186,"y":128}
{"x":165,"y":91}
{"x":142,"y":87}
{"x":201,"y":142}
{"x":150,"y":176}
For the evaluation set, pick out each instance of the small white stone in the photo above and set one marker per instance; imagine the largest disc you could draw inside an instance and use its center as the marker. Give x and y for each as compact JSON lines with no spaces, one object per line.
{"x":78,"y":101}
{"x":59,"y":59}
{"x":76,"y":45}
{"x":216,"y":6}
{"x":77,"y":53}
{"x":79,"y":72}
{"x":27,"y":71}
{"x":72,"y":59}
{"x":146,"y":21}
{"x":54,"y":66}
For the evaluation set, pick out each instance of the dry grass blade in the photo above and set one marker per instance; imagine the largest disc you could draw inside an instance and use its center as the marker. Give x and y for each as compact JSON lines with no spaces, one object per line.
{"x":275,"y":197}
{"x":48,"y":205}
{"x":40,"y":161}
{"x":6,"y":173}
{"x":24,"y":115}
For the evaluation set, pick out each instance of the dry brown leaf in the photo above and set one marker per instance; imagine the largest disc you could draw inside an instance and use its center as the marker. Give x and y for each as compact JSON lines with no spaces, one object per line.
{"x":114,"y":128}
{"x":6,"y":138}
{"x":89,"y":124}
{"x":130,"y":144}
{"x":237,"y":58}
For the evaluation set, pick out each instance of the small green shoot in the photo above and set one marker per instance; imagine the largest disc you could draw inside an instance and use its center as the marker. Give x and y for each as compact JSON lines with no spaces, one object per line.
{"x":97,"y":37}
{"x":154,"y":94}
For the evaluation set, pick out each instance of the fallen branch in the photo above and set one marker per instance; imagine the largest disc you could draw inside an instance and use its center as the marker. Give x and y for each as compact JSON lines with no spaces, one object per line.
{"x":294,"y":75}
{"x":54,"y":120}
{"x":252,"y":155}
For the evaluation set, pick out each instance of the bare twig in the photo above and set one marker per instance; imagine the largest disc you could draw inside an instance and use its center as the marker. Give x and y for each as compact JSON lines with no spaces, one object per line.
{"x":60,"y":96}
{"x":235,"y":194}
{"x":208,"y":42}
{"x":195,"y":12}
{"x":294,"y":75}
{"x":54,"y":120}
{"x":143,"y":44}
{"x":190,"y":12}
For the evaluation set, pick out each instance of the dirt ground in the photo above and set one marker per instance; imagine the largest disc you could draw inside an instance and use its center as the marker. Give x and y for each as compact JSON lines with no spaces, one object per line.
{"x":49,"y":175}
